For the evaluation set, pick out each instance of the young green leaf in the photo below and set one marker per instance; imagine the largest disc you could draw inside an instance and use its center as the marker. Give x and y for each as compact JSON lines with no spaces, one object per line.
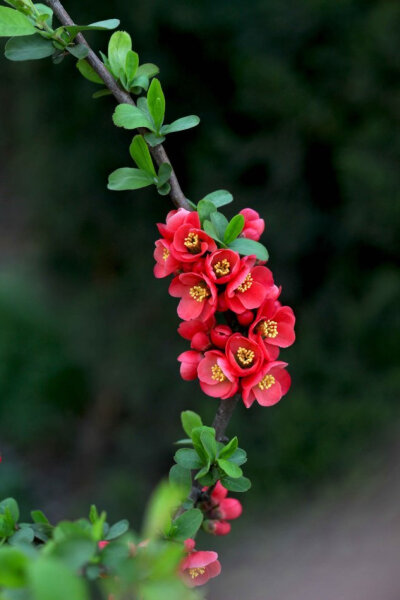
{"x":153,"y":139}
{"x":234,"y":229}
{"x":188,"y":459}
{"x":107,"y":25}
{"x":14,"y":23}
{"x":88,"y":72}
{"x":119,"y":46}
{"x":205,"y":208}
{"x":241,"y":484}
{"x":229,"y":449}
{"x":117,"y":530}
{"x":212,"y":232}
{"x":156,"y":103}
{"x":190,"y":420}
{"x":187,"y":525}
{"x":204,"y":470}
{"x":147,"y":69}
{"x":239,"y":457}
{"x":80,"y":51}
{"x":209,"y":443}
{"x":249,"y":247}
{"x":131,"y":117}
{"x":31,"y":47}
{"x":129,"y":179}
{"x":39,"y":517}
{"x":164,"y":174}
{"x":162,"y":504}
{"x":131,"y":65}
{"x":12,"y":506}
{"x":219,"y":198}
{"x":230,"y":468}
{"x":181,"y":477}
{"x":46,"y":13}
{"x":220,"y":223}
{"x":141,"y":155}
{"x":164,"y":189}
{"x":181,"y":124}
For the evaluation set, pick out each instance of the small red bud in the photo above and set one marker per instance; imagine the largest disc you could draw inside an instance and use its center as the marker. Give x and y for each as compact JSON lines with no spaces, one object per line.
{"x":245,"y":318}
{"x":220,"y":335}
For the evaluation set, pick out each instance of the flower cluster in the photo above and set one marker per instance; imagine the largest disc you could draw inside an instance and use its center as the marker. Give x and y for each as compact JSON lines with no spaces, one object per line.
{"x":219,"y":509}
{"x":229,"y":308}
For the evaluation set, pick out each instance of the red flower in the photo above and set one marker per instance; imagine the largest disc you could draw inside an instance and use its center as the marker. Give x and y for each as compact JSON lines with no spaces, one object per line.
{"x":273,"y":327}
{"x":198,"y":566}
{"x":197,"y":332}
{"x":244,"y":355}
{"x":220,"y":335}
{"x":222,"y":265}
{"x":190,"y":243}
{"x":176,"y":218}
{"x":253,"y":225}
{"x":217,"y":379}
{"x":166,"y":263}
{"x":198,"y":296}
{"x":189,"y":362}
{"x":251,"y":286}
{"x":267,"y":386}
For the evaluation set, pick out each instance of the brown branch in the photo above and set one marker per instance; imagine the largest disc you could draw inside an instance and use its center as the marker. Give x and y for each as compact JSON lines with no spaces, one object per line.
{"x":226,"y":407}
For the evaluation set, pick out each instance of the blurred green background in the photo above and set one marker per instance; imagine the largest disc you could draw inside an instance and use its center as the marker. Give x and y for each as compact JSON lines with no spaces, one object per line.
{"x":300,"y":107}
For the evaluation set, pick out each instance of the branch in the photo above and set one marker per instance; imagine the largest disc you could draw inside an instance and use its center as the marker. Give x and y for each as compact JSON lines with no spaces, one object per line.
{"x":158,"y":153}
{"x":226,"y":407}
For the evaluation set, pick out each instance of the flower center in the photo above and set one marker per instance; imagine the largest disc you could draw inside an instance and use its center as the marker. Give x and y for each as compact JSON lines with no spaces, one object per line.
{"x":199,"y":292}
{"x":266,"y":382}
{"x":246,"y":284}
{"x":196,"y":572}
{"x":222,"y":267}
{"x":192,"y":243}
{"x":165,"y":254}
{"x":244,"y":356}
{"x":217,"y":373}
{"x":268,"y":329}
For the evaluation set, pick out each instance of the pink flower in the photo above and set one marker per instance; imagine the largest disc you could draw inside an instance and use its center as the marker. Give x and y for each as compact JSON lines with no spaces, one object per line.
{"x":216,"y":376}
{"x":166,"y":263}
{"x":251,"y":286}
{"x":220,"y":509}
{"x":190,"y":243}
{"x":197,"y":331}
{"x":244,"y":355}
{"x":198,"y":296}
{"x":253,"y":225}
{"x":189,"y":362}
{"x":273,"y":328}
{"x":222,"y":265}
{"x":176,"y":218}
{"x":198,"y":566}
{"x":267,"y":386}
{"x":102,"y":544}
{"x":220,"y":334}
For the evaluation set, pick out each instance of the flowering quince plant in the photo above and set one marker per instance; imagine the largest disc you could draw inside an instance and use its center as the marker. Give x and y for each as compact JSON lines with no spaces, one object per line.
{"x":232,"y":320}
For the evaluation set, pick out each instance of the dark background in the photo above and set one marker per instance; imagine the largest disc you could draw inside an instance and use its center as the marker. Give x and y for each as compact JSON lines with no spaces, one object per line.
{"x":300,"y":106}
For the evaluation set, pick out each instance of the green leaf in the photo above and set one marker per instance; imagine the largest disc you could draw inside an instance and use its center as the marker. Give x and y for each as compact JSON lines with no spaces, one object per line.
{"x":203,"y":471}
{"x":220,"y":223}
{"x":219,"y":198}
{"x":117,"y":530}
{"x":119,"y":46}
{"x":46,"y":13}
{"x":25,"y":535}
{"x":148,"y":70}
{"x":156,"y":103}
{"x":141,"y":155}
{"x":196,"y":433}
{"x":164,"y":190}
{"x":181,"y":124}
{"x":131,"y":65}
{"x":209,"y":478}
{"x":207,"y":438}
{"x":52,"y":580}
{"x":205,"y":208}
{"x":188,"y":458}
{"x":139,"y":84}
{"x":80,"y":51}
{"x":239,"y":457}
{"x":187,"y":525}
{"x":229,"y":449}
{"x":129,"y":179}
{"x":88,"y":72}
{"x":154,"y":140}
{"x":14,"y":23}
{"x":93,"y":514}
{"x":131,"y":117}
{"x":241,"y":484}
{"x":211,"y":231}
{"x":234,"y":228}
{"x":181,"y":477}
{"x":39,"y":517}
{"x":30,"y":47}
{"x":230,"y":468}
{"x":13,"y":564}
{"x":12,"y":506}
{"x":190,"y":420}
{"x":101,"y":93}
{"x":107,"y":25}
{"x":164,"y":501}
{"x":164,"y":174}
{"x":249,"y":247}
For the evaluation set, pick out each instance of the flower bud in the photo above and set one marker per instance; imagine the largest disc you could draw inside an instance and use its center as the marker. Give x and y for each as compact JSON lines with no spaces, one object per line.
{"x":220,"y":335}
{"x":245,"y":318}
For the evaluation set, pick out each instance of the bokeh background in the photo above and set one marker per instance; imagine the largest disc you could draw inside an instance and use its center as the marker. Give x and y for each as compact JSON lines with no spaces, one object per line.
{"x":300,"y":107}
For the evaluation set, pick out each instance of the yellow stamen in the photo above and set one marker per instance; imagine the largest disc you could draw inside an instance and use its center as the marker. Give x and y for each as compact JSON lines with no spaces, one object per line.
{"x":217,"y":373}
{"x":199,"y":292}
{"x":222,"y":267}
{"x":268,"y":329}
{"x":246,"y":284}
{"x":192,"y":243}
{"x":245,"y":356}
{"x":196,"y":572}
{"x":266,"y":382}
{"x":165,"y":253}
